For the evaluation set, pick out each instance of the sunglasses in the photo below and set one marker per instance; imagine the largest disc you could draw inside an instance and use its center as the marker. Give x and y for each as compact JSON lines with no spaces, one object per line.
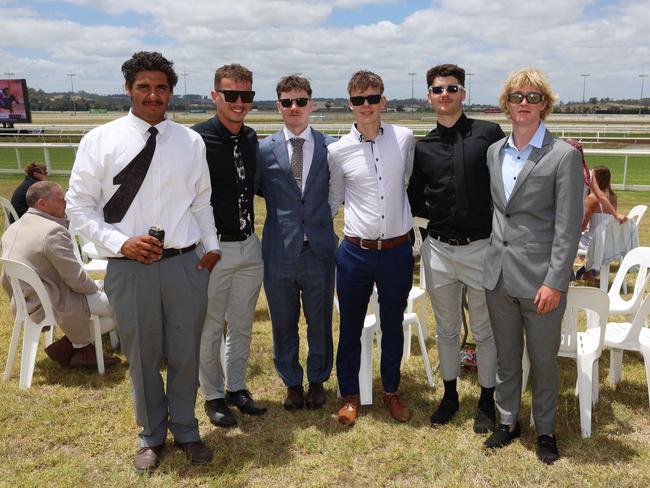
{"x":372,"y":100}
{"x":288,"y":102}
{"x":449,"y":88}
{"x":231,"y":96}
{"x":531,"y":97}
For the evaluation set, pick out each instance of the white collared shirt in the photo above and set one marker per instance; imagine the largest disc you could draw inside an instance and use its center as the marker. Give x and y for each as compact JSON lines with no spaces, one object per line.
{"x":174,"y":195}
{"x":307,"y":150}
{"x":513,"y":159}
{"x":371,"y":177}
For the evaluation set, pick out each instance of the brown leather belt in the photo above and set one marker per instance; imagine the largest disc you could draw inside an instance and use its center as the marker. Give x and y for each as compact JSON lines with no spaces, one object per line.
{"x":379,"y":244}
{"x":167,"y":253}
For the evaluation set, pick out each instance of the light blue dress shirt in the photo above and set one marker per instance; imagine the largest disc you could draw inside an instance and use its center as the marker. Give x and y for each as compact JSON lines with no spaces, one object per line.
{"x":513,"y":160}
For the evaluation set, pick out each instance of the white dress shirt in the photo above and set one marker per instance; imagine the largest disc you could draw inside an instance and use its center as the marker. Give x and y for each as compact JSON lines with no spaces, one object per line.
{"x":371,"y":177}
{"x":307,"y":150}
{"x":513,"y":159}
{"x":174,"y":195}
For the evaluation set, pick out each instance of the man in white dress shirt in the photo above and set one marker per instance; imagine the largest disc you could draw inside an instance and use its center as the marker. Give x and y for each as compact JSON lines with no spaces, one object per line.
{"x":369,"y":169}
{"x":158,"y":290}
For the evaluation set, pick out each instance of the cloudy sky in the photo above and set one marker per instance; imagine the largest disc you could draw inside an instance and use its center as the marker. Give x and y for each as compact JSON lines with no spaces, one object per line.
{"x":44,"y":40}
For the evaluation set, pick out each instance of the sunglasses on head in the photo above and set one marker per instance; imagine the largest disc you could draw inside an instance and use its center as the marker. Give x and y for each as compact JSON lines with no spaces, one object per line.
{"x":449,"y":89}
{"x":531,"y":97}
{"x":372,"y":100}
{"x":231,"y":96}
{"x":288,"y":102}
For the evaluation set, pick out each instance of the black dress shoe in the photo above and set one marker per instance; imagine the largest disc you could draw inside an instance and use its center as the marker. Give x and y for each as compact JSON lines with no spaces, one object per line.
{"x":445,"y":411}
{"x":147,"y":459}
{"x":196,"y":452}
{"x":547,"y":449}
{"x":502,"y":436}
{"x":316,"y":396}
{"x":244,"y":402}
{"x":484,"y":421}
{"x":295,"y":398}
{"x":219,"y":413}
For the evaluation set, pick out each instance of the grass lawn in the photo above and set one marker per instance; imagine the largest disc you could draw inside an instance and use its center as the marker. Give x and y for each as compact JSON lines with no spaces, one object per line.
{"x":76,"y":428}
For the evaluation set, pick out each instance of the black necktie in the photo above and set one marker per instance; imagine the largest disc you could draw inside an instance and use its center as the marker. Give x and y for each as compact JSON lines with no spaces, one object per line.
{"x":130,"y":180}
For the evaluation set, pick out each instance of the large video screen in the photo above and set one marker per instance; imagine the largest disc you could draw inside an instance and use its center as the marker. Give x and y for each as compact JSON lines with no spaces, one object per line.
{"x":14,"y":104}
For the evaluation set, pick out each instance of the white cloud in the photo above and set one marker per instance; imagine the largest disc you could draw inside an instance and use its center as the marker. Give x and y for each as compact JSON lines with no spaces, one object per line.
{"x":275,"y":37}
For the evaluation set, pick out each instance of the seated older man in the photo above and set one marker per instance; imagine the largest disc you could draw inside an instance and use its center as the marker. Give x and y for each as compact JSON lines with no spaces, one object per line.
{"x":41,"y":240}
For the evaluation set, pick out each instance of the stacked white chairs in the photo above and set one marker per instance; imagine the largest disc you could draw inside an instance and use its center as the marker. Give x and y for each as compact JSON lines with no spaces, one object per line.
{"x":417,"y":299}
{"x":585,"y":347}
{"x":18,"y":272}
{"x":8,"y":210}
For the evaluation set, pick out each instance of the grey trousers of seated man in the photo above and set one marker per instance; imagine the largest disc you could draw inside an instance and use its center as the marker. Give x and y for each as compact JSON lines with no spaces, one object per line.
{"x":512,"y":318}
{"x":234,"y":288}
{"x":160,"y":310}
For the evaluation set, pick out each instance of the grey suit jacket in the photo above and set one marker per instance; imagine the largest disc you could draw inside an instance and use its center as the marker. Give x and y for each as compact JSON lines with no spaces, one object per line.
{"x":44,"y":243}
{"x":535,"y":233}
{"x":291,"y":214}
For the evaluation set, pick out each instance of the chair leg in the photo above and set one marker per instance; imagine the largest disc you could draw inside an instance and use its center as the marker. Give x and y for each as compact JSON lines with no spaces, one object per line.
{"x":595,"y":382}
{"x":31,"y":335}
{"x":13,"y":347}
{"x":406,"y":353}
{"x":585,"y":370}
{"x":645,"y":350}
{"x":365,"y":369}
{"x":425,"y":355}
{"x":615,"y":366}
{"x":525,"y":370}
{"x":96,"y":333}
{"x":115,"y":339}
{"x":49,"y":336}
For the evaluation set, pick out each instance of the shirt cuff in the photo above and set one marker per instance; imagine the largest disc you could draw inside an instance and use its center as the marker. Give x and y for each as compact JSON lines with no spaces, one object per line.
{"x":210,"y":243}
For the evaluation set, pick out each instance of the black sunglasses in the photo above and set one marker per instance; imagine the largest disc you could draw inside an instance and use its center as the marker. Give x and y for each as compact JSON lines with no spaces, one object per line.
{"x":449,"y":88}
{"x":231,"y":96}
{"x":372,"y":100}
{"x":531,"y":97}
{"x":287,"y":102}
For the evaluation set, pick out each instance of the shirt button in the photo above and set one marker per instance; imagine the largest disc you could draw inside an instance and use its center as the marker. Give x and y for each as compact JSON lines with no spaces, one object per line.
{"x":376,"y":159}
{"x":380,"y":177}
{"x":505,"y":243}
{"x":382,"y":216}
{"x":507,"y":216}
{"x":382,"y":197}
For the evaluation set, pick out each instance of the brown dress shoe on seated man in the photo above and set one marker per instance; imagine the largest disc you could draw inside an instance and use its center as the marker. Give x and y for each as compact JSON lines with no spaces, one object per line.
{"x":397,"y":408}
{"x":64,"y":353}
{"x":349,"y":410}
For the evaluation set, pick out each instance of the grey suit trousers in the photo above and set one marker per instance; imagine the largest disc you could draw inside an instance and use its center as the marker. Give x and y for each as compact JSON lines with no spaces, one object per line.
{"x":160,"y":309}
{"x":511,"y":318}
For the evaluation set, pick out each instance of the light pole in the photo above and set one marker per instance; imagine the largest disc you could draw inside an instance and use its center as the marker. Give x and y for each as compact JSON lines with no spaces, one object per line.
{"x":643,"y":77}
{"x":74,"y":105}
{"x":412,"y":75}
{"x":9,"y":74}
{"x":469,"y":90}
{"x":584,"y":87}
{"x":184,"y":75}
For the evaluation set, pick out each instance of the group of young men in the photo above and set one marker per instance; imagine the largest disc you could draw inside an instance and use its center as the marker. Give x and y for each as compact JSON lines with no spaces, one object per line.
{"x":503,"y":221}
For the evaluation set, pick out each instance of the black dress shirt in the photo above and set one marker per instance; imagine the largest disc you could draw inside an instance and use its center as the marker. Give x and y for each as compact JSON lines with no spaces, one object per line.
{"x":19,"y":198}
{"x":223,"y":175}
{"x":450,"y":183}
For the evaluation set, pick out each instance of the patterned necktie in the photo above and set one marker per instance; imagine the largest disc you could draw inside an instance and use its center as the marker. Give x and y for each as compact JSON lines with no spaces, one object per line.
{"x":130,"y":180}
{"x":296,"y":159}
{"x":245,"y":224}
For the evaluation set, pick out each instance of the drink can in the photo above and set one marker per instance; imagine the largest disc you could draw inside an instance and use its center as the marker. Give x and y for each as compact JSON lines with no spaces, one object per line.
{"x":158,"y":233}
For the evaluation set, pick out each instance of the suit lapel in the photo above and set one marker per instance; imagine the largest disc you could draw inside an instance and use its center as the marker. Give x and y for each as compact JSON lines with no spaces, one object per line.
{"x":535,"y":155}
{"x":498,"y":179}
{"x":317,"y":159}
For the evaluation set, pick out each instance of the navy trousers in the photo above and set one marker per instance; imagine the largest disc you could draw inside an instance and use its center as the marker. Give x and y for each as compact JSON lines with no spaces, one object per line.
{"x":357,"y":270}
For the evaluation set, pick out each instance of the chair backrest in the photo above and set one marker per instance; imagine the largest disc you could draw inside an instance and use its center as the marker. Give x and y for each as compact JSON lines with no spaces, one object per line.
{"x":418,"y":223}
{"x":8,"y":209}
{"x":16,"y":272}
{"x":638,"y":257}
{"x":636,"y":214}
{"x":588,"y":299}
{"x":639,"y":320}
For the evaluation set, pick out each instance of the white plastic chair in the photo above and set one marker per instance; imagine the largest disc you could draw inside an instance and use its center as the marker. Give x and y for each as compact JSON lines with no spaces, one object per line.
{"x":629,"y":336}
{"x":17,"y":272}
{"x":636,"y":214}
{"x":638,"y":259}
{"x":584,"y":347}
{"x":416,"y":301}
{"x":8,"y":210}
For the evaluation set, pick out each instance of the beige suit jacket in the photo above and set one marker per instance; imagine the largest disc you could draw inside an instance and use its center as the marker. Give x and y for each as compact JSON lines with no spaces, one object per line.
{"x":44,"y":243}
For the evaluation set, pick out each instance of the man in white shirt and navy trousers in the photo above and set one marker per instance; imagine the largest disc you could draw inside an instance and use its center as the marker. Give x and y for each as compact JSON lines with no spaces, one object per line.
{"x":369,"y":169}
{"x":132,"y":173}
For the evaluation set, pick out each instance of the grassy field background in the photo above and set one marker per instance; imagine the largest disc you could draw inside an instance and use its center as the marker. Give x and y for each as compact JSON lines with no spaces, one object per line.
{"x":76,"y":428}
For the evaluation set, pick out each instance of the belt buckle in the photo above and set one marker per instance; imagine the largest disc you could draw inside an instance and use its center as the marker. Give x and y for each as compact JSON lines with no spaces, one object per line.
{"x":361,"y":243}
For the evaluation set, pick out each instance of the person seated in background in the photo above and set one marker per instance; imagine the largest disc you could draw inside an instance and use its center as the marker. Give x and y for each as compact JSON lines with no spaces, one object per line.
{"x":34,"y":172}
{"x":41,"y":240}
{"x":595,"y":213}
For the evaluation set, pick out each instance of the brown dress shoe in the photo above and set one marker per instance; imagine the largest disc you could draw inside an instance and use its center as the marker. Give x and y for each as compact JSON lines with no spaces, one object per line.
{"x":398,"y":409}
{"x":85,"y":357}
{"x":60,"y":351}
{"x":147,"y":459}
{"x":349,"y":409}
{"x":196,"y":452}
{"x":316,"y":396}
{"x":295,"y":398}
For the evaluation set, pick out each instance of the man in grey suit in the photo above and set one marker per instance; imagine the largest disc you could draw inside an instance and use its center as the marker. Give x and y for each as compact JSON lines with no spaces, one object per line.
{"x":298,"y":243}
{"x":536,"y":186}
